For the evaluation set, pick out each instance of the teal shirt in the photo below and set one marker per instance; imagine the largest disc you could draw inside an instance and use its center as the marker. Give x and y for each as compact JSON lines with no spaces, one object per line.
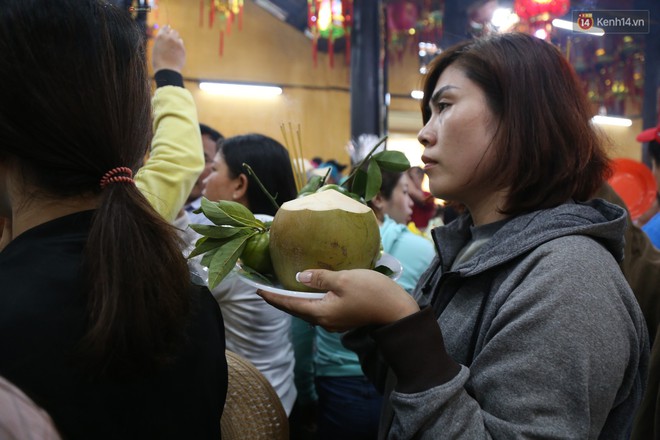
{"x":413,"y":251}
{"x":328,"y":357}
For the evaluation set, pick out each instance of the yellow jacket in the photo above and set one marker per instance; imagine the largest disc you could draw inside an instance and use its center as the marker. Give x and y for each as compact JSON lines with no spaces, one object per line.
{"x":176,"y":158}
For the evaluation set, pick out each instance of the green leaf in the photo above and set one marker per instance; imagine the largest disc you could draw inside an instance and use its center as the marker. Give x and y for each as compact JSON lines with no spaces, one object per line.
{"x":374,"y":180}
{"x":256,"y":276}
{"x":229,"y":213}
{"x":206,"y":259}
{"x":225,"y":259}
{"x":384,"y":270}
{"x":313,"y":184}
{"x":206,"y":244}
{"x":392,"y":160}
{"x":219,"y":231}
{"x":359,"y":185}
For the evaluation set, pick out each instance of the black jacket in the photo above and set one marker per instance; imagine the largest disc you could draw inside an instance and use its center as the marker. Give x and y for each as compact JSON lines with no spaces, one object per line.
{"x":42,"y":318}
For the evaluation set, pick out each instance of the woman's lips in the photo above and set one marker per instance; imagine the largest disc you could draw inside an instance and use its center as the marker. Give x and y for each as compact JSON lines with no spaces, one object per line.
{"x":428,"y":163}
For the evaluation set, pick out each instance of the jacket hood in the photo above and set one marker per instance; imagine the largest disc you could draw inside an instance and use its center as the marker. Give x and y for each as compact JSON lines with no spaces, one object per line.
{"x":596,"y":218}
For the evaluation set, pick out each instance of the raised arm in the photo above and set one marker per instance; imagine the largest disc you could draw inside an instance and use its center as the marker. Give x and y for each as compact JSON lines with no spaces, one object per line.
{"x":177,"y":157}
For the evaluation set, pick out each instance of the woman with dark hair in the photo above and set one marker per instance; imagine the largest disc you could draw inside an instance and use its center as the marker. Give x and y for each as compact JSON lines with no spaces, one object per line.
{"x":523,"y":326}
{"x":99,"y":323}
{"x":254,"y":329}
{"x":270,"y":162}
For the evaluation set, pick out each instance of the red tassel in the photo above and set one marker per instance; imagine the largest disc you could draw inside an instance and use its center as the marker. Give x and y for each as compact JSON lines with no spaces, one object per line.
{"x":211,"y":15}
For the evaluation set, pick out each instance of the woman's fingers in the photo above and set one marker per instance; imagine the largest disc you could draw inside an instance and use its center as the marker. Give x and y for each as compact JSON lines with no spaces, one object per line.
{"x":355,"y":298}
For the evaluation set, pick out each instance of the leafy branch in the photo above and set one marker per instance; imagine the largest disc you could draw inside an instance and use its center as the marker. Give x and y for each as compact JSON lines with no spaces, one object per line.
{"x":251,"y":172}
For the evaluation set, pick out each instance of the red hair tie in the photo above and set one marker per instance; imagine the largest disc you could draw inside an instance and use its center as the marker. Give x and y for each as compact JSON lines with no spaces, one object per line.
{"x":117,"y":175}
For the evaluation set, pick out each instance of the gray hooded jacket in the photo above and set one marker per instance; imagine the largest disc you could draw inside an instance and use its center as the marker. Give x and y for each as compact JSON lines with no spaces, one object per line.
{"x":539,"y":335}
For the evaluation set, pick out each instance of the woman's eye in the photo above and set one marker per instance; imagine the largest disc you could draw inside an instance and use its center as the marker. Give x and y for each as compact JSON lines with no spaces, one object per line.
{"x":441,"y":106}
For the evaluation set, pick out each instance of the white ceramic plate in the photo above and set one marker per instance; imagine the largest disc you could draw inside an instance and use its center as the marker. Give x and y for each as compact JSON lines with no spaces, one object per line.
{"x":262,"y":283}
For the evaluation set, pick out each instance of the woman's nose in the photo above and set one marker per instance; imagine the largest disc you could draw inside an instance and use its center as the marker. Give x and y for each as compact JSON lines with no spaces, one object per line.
{"x":425,"y":136}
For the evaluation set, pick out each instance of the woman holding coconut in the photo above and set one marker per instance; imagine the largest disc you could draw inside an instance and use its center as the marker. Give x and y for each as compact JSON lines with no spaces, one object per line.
{"x":523,"y":325}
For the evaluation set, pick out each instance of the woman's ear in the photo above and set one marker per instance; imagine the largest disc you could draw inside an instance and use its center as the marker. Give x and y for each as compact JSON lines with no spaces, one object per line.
{"x":240,"y":187}
{"x":378,"y":201}
{"x":377,"y":205}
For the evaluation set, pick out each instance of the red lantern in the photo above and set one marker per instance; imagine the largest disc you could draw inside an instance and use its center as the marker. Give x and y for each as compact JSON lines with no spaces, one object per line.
{"x":533,"y":10}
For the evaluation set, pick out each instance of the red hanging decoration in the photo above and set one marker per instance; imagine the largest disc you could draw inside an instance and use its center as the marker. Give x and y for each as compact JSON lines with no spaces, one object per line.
{"x":536,"y":15}
{"x":211,"y":16}
{"x":227,"y":11}
{"x":329,"y":20}
{"x":347,"y":8}
{"x":533,"y":10}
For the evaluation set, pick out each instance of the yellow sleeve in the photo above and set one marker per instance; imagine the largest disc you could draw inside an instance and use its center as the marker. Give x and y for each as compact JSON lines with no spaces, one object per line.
{"x":177,"y":157}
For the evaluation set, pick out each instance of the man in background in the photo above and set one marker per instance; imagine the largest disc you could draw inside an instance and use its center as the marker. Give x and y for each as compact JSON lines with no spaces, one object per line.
{"x":210,"y":138}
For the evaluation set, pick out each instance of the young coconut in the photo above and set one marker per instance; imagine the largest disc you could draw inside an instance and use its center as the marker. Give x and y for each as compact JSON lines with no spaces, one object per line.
{"x":325,"y":230}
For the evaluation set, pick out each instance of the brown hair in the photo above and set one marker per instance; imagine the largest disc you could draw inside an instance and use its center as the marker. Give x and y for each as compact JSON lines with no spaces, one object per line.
{"x":548,"y":149}
{"x":75,"y":103}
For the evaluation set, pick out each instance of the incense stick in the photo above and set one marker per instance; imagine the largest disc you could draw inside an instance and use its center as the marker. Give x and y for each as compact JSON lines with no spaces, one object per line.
{"x":295,"y":163}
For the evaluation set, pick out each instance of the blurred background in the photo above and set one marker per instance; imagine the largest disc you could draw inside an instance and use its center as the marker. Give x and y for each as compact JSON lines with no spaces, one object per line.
{"x":350,"y":67}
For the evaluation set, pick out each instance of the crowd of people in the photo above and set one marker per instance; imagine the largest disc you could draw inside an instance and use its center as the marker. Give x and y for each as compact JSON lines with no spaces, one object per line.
{"x":531,"y":312}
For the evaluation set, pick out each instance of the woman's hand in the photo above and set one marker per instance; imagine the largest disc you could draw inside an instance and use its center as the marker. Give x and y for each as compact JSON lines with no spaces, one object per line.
{"x":355,"y":298}
{"x":168,"y":51}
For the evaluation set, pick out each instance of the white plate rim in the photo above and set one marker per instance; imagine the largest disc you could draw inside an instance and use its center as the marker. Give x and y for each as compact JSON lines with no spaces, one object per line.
{"x":385,"y":259}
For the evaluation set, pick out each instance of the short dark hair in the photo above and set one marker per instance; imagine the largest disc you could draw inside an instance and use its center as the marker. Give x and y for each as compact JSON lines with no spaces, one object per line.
{"x":271,"y":163}
{"x":548,"y":148}
{"x":210,"y":132}
{"x":389,"y":182}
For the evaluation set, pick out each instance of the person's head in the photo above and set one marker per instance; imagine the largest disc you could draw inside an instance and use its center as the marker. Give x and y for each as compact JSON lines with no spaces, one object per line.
{"x":393,"y":199}
{"x":229,"y":179}
{"x":652,"y":136}
{"x":210,"y":138}
{"x":416,"y":175}
{"x":316,"y":161}
{"x":505,"y":117}
{"x":77,"y":67}
{"x":336,"y":170}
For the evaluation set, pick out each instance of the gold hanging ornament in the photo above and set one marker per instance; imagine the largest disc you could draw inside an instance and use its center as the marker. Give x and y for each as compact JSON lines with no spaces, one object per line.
{"x":225,"y":12}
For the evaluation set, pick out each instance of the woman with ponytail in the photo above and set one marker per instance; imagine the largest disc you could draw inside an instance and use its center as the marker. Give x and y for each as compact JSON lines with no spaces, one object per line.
{"x":99,"y":323}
